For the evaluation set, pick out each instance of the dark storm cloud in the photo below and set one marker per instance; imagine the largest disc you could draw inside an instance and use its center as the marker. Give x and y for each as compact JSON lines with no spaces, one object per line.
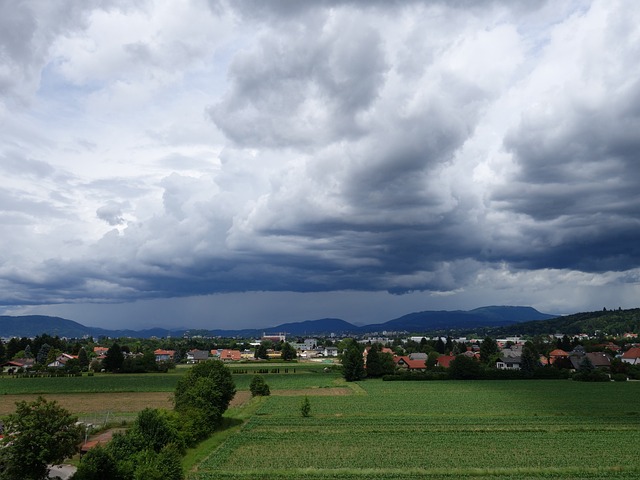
{"x":345,"y":146}
{"x":577,"y":177}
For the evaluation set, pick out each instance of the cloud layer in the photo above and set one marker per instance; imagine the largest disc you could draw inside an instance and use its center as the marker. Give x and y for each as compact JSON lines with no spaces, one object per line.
{"x":153,"y":149}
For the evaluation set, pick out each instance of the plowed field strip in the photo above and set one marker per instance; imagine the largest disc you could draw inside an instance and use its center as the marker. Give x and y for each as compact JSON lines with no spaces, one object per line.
{"x":79,"y":403}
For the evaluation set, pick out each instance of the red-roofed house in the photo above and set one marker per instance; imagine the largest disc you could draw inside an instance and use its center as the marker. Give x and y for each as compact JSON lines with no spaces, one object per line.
{"x":632,"y":356}
{"x":100,"y":352}
{"x":444,"y":360}
{"x":407,"y":363}
{"x":230,"y":355}
{"x":557,"y":354}
{"x":164,"y":355}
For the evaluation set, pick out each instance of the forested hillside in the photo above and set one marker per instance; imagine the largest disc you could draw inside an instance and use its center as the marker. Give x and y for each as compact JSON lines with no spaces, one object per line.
{"x":609,"y":322}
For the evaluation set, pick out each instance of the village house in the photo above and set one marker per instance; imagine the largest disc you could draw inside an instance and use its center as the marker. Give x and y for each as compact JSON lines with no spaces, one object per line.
{"x":509,"y":362}
{"x":412,"y":365}
{"x":444,"y":361}
{"x":164,"y":355}
{"x":632,"y":356}
{"x":61,"y":360}
{"x":197,"y":356}
{"x":228,"y":355}
{"x":330,"y":351}
{"x":556,"y":355}
{"x":101,"y":352}
{"x":19,"y":363}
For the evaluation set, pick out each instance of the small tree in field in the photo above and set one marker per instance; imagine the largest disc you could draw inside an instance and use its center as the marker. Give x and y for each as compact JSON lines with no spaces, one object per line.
{"x":40,"y":433}
{"x":259,"y":387}
{"x":305,"y":407}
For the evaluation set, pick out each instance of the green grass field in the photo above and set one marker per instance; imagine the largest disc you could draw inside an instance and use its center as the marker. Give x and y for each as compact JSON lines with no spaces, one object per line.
{"x":305,"y":376}
{"x":474,"y":429}
{"x":105,"y":382}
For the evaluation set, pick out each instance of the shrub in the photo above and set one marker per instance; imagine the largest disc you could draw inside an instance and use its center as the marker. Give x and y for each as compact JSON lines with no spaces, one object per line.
{"x":305,"y":407}
{"x":259,"y":387}
{"x":591,"y":376}
{"x":619,"y":377}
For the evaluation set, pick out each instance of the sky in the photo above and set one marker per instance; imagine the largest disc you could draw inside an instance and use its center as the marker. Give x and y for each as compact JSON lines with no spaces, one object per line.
{"x":228,"y":164}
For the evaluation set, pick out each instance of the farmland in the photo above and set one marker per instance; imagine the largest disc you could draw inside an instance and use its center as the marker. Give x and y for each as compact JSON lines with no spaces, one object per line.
{"x":391,"y":430}
{"x":484,"y":429}
{"x":121,"y":396}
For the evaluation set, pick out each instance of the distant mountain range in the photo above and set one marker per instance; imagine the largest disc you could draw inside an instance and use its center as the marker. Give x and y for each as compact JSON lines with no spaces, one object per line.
{"x":418,"y":322}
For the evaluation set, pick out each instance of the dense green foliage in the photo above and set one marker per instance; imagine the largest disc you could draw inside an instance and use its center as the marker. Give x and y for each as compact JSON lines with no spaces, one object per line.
{"x":114,"y":359}
{"x":38,"y":434}
{"x":353,"y":362}
{"x":202,"y":395}
{"x":609,"y":322}
{"x":287,"y":352}
{"x":455,"y":429}
{"x":150,"y":449}
{"x":259,"y":387}
{"x":378,"y":363}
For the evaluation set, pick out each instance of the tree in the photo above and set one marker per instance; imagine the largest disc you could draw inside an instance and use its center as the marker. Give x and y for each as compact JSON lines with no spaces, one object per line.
{"x":83,"y":358}
{"x":43,"y":354}
{"x":564,"y":343}
{"x":528,"y":361}
{"x":288,"y":352}
{"x":464,"y":368}
{"x":38,"y":434}
{"x":114,"y":359}
{"x":73,"y":366}
{"x":154,"y":430}
{"x":378,"y":363}
{"x":458,"y":348}
{"x":261,"y":352}
{"x":432,"y":359}
{"x":98,"y":464}
{"x":488,"y":350}
{"x":259,"y":387}
{"x":305,"y":407}
{"x":204,"y":393}
{"x":353,"y":362}
{"x":440,"y":346}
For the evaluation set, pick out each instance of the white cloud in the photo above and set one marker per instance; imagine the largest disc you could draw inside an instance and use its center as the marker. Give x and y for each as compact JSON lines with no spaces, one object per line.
{"x":178,"y":149}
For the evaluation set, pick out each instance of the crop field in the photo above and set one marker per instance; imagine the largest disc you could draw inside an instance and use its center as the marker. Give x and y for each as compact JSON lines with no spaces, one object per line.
{"x":119,"y":397}
{"x":474,"y":429}
{"x":140,"y":382}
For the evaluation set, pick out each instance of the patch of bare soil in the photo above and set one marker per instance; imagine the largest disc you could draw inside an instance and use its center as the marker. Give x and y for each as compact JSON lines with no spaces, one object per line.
{"x":314,"y":392}
{"x":79,"y":403}
{"x":240,"y":398}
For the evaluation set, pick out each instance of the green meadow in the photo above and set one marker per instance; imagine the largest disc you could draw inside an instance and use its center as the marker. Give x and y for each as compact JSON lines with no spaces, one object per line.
{"x":297,"y":376}
{"x":448,"y":429}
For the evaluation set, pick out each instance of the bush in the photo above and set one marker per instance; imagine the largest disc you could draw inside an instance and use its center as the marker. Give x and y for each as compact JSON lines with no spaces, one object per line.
{"x":592,"y":376}
{"x":305,"y":407}
{"x":259,"y":387}
{"x":421,"y":376}
{"x":619,"y":377}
